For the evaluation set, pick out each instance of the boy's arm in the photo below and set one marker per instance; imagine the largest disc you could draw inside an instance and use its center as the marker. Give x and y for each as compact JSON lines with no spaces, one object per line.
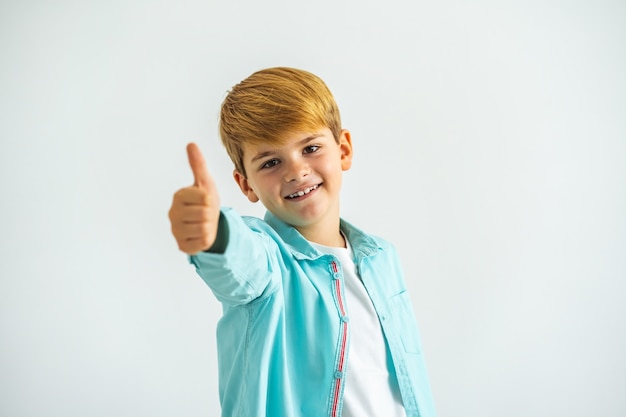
{"x":247,"y":267}
{"x":238,"y":270}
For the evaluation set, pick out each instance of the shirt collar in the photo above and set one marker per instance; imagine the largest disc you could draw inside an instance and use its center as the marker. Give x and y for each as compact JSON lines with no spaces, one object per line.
{"x":362,"y":244}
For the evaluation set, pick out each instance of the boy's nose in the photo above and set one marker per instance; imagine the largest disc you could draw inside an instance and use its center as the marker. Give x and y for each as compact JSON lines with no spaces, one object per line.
{"x":296,"y":170}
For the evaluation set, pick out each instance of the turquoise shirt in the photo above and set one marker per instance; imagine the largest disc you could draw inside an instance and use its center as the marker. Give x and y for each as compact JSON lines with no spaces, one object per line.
{"x":283,"y":338}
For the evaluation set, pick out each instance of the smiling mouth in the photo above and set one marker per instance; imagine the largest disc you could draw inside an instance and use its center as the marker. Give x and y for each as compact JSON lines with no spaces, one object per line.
{"x":303,"y":192}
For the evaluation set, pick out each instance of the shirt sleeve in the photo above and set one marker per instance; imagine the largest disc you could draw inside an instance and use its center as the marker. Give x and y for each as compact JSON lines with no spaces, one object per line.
{"x":247,"y":267}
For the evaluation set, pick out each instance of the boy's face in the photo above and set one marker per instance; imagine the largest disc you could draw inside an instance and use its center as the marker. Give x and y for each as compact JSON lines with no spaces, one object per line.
{"x":299,"y":181}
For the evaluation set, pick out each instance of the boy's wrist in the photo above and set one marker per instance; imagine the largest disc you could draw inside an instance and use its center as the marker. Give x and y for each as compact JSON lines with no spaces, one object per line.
{"x":221,"y":240}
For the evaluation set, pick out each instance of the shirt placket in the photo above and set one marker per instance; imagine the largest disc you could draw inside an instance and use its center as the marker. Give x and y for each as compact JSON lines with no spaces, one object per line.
{"x":343,"y":340}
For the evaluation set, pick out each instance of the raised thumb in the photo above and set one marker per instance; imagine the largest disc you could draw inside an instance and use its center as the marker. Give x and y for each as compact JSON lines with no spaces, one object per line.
{"x":201,"y":177}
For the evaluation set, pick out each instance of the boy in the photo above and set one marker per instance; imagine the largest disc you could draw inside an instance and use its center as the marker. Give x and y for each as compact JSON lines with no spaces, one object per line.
{"x":316,"y":318}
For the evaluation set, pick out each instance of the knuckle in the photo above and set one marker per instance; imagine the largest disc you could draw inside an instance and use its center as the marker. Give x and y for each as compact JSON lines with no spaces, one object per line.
{"x":182,"y":194}
{"x":178,"y":194}
{"x":205,"y":214}
{"x":205,"y":243}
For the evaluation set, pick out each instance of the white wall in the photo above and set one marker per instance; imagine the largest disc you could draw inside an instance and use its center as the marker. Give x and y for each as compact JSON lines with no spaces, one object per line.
{"x":490,"y":147}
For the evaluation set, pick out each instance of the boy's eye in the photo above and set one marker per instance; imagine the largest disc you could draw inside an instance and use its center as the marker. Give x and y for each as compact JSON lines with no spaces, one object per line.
{"x":311,"y":148}
{"x":270,"y":163}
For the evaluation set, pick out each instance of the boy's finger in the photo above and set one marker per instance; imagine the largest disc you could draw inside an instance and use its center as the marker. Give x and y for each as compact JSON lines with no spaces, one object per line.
{"x":201,"y":176}
{"x":191,"y":196}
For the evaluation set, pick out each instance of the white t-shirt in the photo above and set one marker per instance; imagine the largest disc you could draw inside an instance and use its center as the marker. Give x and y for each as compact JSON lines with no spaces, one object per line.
{"x":370,"y":390}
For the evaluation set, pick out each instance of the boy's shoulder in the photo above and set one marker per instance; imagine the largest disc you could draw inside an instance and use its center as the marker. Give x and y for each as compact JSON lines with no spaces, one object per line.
{"x":356,"y":234}
{"x":281,"y":233}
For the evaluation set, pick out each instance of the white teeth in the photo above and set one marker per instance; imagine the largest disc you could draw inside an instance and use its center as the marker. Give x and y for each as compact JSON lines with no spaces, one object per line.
{"x":303,"y":192}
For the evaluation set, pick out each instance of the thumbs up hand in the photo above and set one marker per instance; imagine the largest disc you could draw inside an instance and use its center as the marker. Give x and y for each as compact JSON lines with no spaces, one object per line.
{"x":195,"y":210}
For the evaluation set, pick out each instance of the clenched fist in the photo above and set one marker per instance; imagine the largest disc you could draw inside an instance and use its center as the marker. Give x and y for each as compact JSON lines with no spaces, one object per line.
{"x":195,"y":211}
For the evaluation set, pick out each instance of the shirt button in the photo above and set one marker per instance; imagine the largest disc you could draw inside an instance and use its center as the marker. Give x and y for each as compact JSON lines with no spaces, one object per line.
{"x":338,"y":374}
{"x":336,"y":275}
{"x":345,"y":319}
{"x":383,"y":318}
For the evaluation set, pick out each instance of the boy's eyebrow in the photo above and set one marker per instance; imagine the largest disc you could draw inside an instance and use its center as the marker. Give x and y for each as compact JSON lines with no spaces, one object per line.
{"x":265,"y":154}
{"x":261,"y":155}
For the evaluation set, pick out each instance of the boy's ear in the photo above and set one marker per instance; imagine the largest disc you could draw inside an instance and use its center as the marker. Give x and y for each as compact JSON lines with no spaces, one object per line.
{"x":345,"y":145}
{"x":243,"y":184}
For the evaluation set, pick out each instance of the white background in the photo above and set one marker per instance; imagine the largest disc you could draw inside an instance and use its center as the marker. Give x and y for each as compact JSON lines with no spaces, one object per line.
{"x":490,"y":147}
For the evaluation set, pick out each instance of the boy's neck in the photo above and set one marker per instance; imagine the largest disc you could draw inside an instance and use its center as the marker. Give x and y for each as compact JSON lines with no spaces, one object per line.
{"x":333,"y":239}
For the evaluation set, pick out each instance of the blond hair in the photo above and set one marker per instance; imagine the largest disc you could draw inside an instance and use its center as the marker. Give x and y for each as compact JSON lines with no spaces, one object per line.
{"x":273,"y":103}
